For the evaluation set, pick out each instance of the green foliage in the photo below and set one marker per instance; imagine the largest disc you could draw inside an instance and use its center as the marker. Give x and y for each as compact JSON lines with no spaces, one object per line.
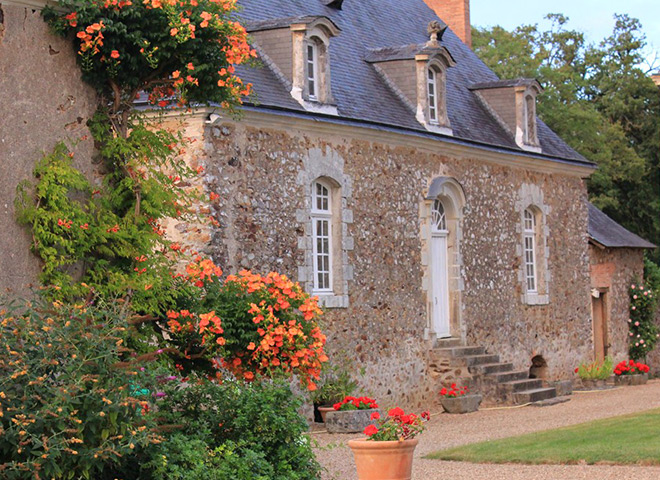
{"x":652,"y":275}
{"x":69,"y":408}
{"x":334,"y":385}
{"x":109,"y":238}
{"x":231,"y":431}
{"x":643,"y":329}
{"x":596,"y":370}
{"x":599,"y":101}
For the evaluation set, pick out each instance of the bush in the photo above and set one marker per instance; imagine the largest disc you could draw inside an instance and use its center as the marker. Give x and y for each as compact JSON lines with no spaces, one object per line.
{"x":596,"y":370}
{"x":260,"y":326}
{"x":232,"y":431}
{"x":69,"y":407}
{"x":643,"y":330}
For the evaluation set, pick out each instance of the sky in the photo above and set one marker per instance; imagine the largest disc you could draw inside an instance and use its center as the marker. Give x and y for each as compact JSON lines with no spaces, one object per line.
{"x":593,"y":17}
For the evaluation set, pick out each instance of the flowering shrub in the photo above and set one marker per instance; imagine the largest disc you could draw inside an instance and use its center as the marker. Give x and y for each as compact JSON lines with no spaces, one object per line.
{"x":259,"y":326}
{"x":396,"y":426}
{"x":454,"y":391}
{"x":355,"y":403}
{"x":643,"y":331}
{"x":630,"y":368}
{"x":596,"y":370}
{"x":72,"y":402}
{"x":186,"y":49}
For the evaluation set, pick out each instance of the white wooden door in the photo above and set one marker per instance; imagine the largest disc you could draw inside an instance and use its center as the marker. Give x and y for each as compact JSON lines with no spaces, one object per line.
{"x":439,"y":272}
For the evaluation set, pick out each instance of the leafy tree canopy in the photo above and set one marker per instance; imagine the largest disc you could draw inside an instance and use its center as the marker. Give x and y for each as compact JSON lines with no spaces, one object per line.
{"x":600,"y":101}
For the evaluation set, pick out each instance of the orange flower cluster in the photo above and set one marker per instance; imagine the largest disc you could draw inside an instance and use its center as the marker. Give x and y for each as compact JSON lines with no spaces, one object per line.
{"x":207,"y":325}
{"x":289,"y":339}
{"x":202,"y":270}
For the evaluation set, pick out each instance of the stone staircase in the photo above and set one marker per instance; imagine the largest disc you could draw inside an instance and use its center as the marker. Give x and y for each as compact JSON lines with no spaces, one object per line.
{"x":484,"y":373}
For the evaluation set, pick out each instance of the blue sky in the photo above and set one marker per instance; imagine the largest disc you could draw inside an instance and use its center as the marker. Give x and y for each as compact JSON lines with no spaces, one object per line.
{"x":593,"y":17}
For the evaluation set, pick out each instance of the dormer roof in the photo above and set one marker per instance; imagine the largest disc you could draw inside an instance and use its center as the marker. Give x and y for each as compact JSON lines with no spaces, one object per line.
{"x":405,"y":52}
{"x":373,"y":30}
{"x":288,"y":22}
{"x":515,"y":82}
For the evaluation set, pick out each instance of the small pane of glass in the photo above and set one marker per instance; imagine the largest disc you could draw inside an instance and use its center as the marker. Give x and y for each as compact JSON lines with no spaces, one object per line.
{"x":438,"y":217}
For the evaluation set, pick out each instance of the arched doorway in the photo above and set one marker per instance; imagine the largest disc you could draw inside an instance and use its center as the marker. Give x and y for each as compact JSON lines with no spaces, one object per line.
{"x":442,"y":218}
{"x":439,"y":271}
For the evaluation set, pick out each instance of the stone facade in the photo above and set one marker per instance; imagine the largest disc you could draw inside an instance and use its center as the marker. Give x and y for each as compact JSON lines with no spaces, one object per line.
{"x":262,"y":173}
{"x":612,"y":271}
{"x":42,"y":101}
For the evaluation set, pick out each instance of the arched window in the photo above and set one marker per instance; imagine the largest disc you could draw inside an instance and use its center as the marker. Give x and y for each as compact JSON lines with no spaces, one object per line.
{"x":322,"y":236}
{"x":529,"y":250}
{"x":438,"y":217}
{"x":432,"y":90}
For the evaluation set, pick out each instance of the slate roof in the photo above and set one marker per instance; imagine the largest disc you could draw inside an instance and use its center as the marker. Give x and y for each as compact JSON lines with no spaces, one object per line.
{"x":361,"y":94}
{"x":605,"y":231}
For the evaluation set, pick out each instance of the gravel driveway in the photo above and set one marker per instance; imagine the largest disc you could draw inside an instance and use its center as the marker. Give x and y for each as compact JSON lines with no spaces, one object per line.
{"x":445,"y":431}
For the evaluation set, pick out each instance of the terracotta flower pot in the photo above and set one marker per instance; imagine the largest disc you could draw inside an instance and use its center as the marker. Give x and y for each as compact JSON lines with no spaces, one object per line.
{"x":324,"y":410}
{"x":383,"y":460}
{"x":464,"y":404}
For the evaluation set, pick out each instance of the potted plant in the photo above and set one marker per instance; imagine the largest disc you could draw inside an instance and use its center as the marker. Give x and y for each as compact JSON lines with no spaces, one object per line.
{"x":351,"y":415}
{"x":631,"y":373}
{"x":334,"y":385}
{"x":387,"y":452}
{"x":595,"y":374}
{"x":459,"y":400}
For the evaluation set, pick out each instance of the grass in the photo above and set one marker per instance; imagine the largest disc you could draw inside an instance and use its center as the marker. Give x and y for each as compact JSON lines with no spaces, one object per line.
{"x":624,"y":440}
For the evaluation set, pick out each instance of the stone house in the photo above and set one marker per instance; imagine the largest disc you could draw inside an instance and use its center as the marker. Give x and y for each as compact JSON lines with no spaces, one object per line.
{"x":381,"y":164}
{"x":616,"y":257}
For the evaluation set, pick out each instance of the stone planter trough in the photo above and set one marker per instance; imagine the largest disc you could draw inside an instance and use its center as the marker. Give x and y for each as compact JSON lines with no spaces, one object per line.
{"x":349,"y":421}
{"x":639,"y":379}
{"x":589,"y":384}
{"x":464,"y":404}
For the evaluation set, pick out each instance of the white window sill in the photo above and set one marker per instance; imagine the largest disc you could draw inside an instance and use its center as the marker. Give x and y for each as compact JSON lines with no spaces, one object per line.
{"x":535,"y":299}
{"x":330,"y":300}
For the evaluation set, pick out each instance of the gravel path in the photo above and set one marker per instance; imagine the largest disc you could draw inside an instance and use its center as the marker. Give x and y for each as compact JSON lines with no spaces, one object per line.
{"x":444,"y":431}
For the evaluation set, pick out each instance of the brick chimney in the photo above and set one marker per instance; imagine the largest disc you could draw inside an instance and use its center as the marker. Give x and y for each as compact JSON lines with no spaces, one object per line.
{"x":456,"y":14}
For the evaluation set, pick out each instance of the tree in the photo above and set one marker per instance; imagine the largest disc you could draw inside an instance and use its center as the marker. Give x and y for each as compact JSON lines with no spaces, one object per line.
{"x":600,"y":101}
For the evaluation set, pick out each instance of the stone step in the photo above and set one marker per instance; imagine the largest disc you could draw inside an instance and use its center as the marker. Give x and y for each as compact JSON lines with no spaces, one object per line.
{"x":485,"y":369}
{"x":474,"y":360}
{"x":536,"y":395}
{"x":520,"y":385}
{"x":503,"y":377}
{"x":447,"y":342}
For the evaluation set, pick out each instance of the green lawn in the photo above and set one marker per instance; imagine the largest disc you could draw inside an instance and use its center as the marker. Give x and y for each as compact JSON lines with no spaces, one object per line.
{"x":629,"y":439}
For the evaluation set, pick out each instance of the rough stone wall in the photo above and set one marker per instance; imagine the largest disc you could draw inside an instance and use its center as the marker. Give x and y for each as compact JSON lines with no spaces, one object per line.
{"x":615,"y":268}
{"x":254,"y":170}
{"x":42,"y":101}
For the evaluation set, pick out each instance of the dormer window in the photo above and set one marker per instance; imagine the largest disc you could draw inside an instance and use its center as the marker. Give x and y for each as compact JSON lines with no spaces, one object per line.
{"x":431,"y":101}
{"x":432,"y":98}
{"x":513,"y":104}
{"x":529,"y":117}
{"x":312,"y":71}
{"x":297,"y":50}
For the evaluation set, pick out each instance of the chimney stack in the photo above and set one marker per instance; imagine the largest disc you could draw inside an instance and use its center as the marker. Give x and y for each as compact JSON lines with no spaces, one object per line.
{"x":456,"y":14}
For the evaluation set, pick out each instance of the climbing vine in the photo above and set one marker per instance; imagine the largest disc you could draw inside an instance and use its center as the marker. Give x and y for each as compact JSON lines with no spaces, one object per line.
{"x":643,"y":330}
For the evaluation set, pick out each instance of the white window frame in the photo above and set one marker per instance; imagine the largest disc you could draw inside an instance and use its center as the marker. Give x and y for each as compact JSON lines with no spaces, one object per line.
{"x":529,"y":251}
{"x":312,"y":62}
{"x":432,"y":98}
{"x":321,"y":215}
